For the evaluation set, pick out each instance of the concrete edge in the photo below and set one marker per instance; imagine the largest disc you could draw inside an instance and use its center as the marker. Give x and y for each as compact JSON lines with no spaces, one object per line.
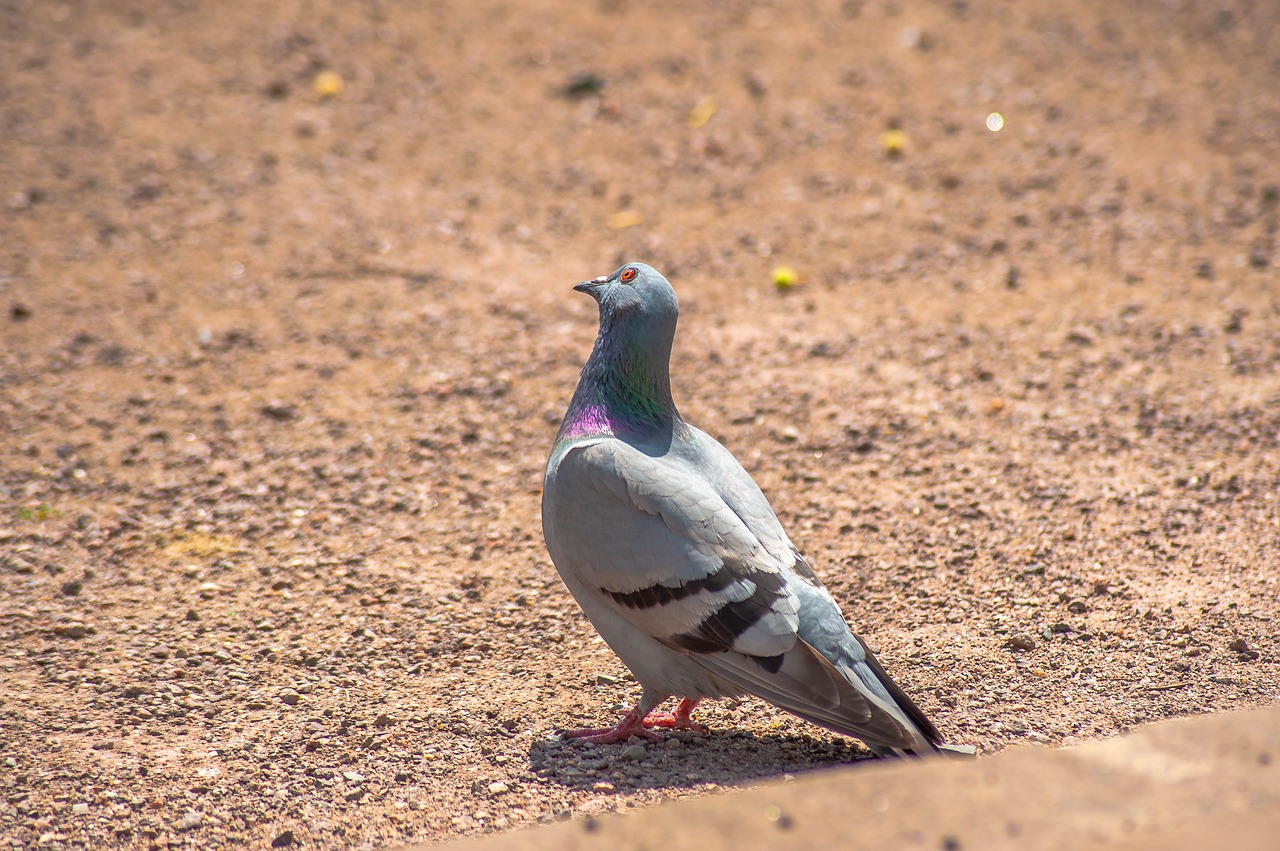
{"x":1190,"y":783}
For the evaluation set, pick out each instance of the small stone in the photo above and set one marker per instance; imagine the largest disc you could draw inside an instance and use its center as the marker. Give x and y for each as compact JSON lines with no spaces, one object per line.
{"x":74,"y":631}
{"x":190,"y":821}
{"x":1077,"y":607}
{"x":633,"y":752}
{"x":383,"y":720}
{"x":606,"y":680}
{"x":279,"y":412}
{"x":79,"y":809}
{"x":602,"y":786}
{"x":1020,"y":642}
{"x":582,"y":85}
{"x":497,"y":787}
{"x":284,"y":840}
{"x":353,"y":776}
{"x":1239,"y":645}
{"x":290,"y":697}
{"x":72,"y":587}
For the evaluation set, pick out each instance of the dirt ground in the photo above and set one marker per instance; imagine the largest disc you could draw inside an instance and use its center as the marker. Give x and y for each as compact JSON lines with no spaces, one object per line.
{"x":287,"y":330}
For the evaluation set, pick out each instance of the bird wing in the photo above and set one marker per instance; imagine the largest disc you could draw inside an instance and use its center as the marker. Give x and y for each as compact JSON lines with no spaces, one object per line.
{"x":667,"y":553}
{"x":688,"y":550}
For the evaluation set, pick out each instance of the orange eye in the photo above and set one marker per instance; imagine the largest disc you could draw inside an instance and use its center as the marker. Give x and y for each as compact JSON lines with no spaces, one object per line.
{"x":628,"y":275}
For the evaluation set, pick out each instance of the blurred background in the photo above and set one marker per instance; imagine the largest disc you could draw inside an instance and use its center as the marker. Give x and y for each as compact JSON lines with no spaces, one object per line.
{"x":984,"y":294}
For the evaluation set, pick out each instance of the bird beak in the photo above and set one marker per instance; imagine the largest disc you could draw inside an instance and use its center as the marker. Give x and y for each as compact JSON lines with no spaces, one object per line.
{"x":590,"y":287}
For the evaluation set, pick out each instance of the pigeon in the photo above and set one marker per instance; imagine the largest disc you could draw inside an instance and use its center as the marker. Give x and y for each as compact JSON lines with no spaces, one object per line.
{"x":678,"y":560}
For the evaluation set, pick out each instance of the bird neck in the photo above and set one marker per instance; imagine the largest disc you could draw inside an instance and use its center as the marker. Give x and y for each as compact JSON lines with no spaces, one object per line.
{"x":625,"y":389}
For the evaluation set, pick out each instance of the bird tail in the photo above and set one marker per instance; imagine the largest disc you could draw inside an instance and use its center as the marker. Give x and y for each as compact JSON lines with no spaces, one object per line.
{"x":808,"y":685}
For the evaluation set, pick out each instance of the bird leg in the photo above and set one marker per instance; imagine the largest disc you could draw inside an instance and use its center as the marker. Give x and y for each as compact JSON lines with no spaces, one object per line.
{"x":681,"y":719}
{"x":636,"y":723}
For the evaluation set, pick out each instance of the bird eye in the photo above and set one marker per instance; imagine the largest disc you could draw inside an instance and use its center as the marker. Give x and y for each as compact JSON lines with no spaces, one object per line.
{"x":628,"y":275}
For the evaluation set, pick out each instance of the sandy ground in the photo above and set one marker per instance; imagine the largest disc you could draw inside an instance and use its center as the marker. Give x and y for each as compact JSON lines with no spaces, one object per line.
{"x":287,"y":330}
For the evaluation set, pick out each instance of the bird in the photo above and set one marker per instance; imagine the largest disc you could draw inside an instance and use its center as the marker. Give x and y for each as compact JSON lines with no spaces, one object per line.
{"x":677,"y":558}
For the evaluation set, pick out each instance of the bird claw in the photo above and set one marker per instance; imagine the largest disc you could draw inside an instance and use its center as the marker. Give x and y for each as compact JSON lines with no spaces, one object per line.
{"x":673,"y":721}
{"x":633,"y":724}
{"x":611,"y":735}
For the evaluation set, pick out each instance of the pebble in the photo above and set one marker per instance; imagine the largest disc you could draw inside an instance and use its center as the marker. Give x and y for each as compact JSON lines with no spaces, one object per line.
{"x":602,"y":786}
{"x":290,"y":697}
{"x":633,"y":752}
{"x":497,"y":787}
{"x":1020,"y":642}
{"x":606,"y":680}
{"x":190,"y":821}
{"x":353,"y":776}
{"x":79,"y":809}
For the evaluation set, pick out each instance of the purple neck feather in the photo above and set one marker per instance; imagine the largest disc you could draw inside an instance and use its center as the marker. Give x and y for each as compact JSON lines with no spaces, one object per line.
{"x":586,"y":421}
{"x":624,"y":391}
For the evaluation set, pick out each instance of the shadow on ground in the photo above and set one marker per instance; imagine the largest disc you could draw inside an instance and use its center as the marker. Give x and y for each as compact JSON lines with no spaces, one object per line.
{"x":687,"y":760}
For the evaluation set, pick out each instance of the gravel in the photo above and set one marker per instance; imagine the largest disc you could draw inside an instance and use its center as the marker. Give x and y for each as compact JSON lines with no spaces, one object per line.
{"x":278,"y":373}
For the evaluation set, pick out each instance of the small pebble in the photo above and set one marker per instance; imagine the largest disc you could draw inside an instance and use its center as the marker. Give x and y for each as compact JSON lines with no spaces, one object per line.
{"x":190,"y":821}
{"x":602,"y":786}
{"x":1020,"y":642}
{"x":498,"y":787}
{"x":633,"y":752}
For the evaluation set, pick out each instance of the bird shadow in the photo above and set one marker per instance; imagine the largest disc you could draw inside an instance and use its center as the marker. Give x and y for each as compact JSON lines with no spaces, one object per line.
{"x":684,"y":760}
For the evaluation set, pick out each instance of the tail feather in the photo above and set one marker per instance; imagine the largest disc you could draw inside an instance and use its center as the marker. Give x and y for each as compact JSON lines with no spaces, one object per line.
{"x":899,"y":696}
{"x":809,"y":686}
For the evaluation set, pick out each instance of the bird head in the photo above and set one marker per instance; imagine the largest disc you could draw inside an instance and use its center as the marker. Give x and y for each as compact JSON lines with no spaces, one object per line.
{"x":634,"y":290}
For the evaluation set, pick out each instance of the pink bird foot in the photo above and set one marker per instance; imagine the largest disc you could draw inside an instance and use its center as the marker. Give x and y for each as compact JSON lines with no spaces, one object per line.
{"x":635,"y":724}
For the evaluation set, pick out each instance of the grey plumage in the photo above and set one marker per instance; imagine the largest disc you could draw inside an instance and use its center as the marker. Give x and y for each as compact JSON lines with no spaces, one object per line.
{"x":677,"y":558}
